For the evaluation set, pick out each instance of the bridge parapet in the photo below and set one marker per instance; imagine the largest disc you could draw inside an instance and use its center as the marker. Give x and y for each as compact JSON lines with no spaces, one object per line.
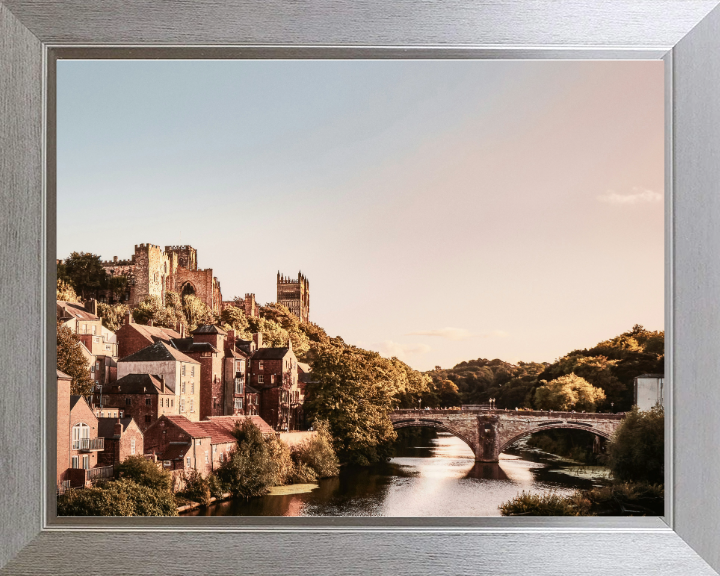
{"x":489,"y":432}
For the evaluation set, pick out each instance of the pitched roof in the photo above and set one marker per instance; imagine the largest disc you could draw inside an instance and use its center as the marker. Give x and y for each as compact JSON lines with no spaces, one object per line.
{"x":158,"y":352}
{"x":229,"y":422}
{"x":217,"y":434}
{"x":136,"y":384}
{"x":153,"y":333}
{"x":208,"y":329}
{"x":62,"y":375}
{"x":270,"y":353}
{"x":106,"y":426}
{"x":251,"y":390}
{"x":187,"y":345}
{"x":75,"y":310}
{"x":304,"y":367}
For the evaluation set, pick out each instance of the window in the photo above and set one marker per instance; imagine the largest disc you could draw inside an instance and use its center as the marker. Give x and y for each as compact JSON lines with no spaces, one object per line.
{"x":272,"y":379}
{"x":207,"y":458}
{"x":238,"y":386}
{"x":192,"y":370}
{"x":148,"y":401}
{"x":86,"y":462}
{"x":75,"y":462}
{"x":96,"y":339}
{"x":221,"y":457}
{"x":239,"y":367}
{"x":167,"y":463}
{"x":183,"y":369}
{"x":260,"y":367}
{"x":127,"y":401}
{"x":188,"y":461}
{"x":148,"y":418}
{"x":172,"y":401}
{"x":192,"y":387}
{"x":94,"y":330}
{"x":214,"y":449}
{"x":191,"y":405}
{"x":183,"y":387}
{"x":182,"y":405}
{"x":132,"y":445}
{"x":162,"y":402}
{"x":80,"y":436}
{"x":260,"y":379}
{"x":92,"y":368}
{"x":238,"y":403}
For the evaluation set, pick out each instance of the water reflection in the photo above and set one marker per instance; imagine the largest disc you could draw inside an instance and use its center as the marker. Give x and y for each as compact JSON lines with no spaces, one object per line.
{"x":429,"y":476}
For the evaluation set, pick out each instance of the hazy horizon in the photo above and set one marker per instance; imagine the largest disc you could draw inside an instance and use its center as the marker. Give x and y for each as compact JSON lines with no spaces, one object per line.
{"x":441,"y":210}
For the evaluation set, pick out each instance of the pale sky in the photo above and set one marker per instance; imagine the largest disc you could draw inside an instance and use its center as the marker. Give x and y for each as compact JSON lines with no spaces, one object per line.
{"x":441,"y":210}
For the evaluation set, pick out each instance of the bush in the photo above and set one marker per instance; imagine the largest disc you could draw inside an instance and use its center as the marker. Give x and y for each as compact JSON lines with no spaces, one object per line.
{"x":250,"y":469}
{"x":550,"y":504}
{"x":318,"y":453}
{"x":302,"y":474}
{"x":281,"y":461}
{"x":145,"y":472}
{"x":117,"y":498}
{"x":217,"y":490}
{"x":196,"y":488}
{"x":636,"y":451}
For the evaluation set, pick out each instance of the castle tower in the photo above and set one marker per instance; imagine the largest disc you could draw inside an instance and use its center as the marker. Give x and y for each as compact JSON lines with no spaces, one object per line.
{"x":294,"y":295}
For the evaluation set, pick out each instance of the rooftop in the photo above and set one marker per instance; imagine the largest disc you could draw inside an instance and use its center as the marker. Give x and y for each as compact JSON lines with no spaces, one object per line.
{"x":229,"y":422}
{"x":75,"y":310}
{"x":136,"y":384}
{"x":158,"y":352}
{"x":270,"y":353}
{"x":209,"y":329}
{"x":106,"y":426}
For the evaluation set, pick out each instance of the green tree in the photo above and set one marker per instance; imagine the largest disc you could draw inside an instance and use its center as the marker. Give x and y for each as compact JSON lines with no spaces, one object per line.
{"x":636,"y":451}
{"x":196,"y":312}
{"x":448,"y":394}
{"x":117,"y":498}
{"x":144,"y":472}
{"x":117,"y":286}
{"x":249,"y":470}
{"x":72,"y":361}
{"x":353,"y":391}
{"x":113,"y":315}
{"x":233,"y":318}
{"x":569,"y":392}
{"x":170,"y":315}
{"x":85,"y":272}
{"x":65,"y":292}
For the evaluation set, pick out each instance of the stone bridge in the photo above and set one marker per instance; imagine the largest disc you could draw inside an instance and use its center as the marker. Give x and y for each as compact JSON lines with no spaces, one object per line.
{"x":489,"y":432}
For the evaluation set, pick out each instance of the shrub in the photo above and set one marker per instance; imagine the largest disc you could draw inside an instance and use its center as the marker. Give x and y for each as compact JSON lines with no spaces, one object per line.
{"x":636,"y":451}
{"x":281,"y":461}
{"x":217,"y":490}
{"x":250,"y":469}
{"x":121,"y":497}
{"x":145,"y":472}
{"x":196,"y":488}
{"x":302,"y":474}
{"x":318,"y":453}
{"x":549,"y":504}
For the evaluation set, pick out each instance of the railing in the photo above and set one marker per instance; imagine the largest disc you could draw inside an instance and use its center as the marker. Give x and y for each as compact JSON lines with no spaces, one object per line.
{"x":88,"y":444}
{"x":62,"y":487}
{"x":99,"y":473}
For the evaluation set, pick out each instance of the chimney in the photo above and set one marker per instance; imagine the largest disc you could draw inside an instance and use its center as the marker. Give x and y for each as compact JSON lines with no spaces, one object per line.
{"x":182,"y":330}
{"x":118,"y":428}
{"x":91,"y":306}
{"x":162,"y":383}
{"x":257,"y":338}
{"x":128,"y":318}
{"x":150,"y":322}
{"x":289,"y":343}
{"x":231,"y":339}
{"x":115,"y":258}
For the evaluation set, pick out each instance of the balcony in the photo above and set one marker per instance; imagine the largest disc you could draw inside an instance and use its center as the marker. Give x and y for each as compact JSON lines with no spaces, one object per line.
{"x":99,"y":473}
{"x":89,"y":444}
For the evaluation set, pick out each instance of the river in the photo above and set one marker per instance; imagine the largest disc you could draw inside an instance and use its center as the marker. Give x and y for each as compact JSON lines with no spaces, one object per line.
{"x":431,"y":475}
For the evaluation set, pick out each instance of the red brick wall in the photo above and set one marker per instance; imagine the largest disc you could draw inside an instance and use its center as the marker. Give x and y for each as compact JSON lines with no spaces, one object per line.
{"x":138,"y":408}
{"x":117,"y":450}
{"x":63,"y":429}
{"x":81,"y":413}
{"x":130,"y":340}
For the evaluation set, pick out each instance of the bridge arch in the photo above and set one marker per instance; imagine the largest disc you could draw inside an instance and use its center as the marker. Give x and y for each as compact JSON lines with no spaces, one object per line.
{"x":437,"y":425}
{"x":570,"y":425}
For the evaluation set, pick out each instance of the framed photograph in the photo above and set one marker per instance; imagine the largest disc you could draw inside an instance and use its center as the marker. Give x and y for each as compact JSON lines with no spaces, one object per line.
{"x":591,"y":133}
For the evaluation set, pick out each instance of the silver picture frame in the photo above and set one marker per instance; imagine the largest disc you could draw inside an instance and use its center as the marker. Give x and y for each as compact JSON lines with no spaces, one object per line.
{"x":685,"y":34}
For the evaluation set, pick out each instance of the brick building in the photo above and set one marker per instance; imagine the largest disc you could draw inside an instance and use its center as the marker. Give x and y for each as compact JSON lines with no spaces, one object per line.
{"x":142,"y":397}
{"x":181,"y":374}
{"x":63,"y":426}
{"x":134,"y":337}
{"x":151,"y":271}
{"x":99,"y":345}
{"x":84,"y":442}
{"x":223,"y":366}
{"x":273,"y":373}
{"x":294,"y":295}
{"x":229,"y":423}
{"x":122,"y":438}
{"x":184,"y":445}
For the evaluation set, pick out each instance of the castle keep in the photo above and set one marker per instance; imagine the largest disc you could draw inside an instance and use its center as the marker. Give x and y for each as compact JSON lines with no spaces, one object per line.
{"x":151,"y":271}
{"x":295,"y":295}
